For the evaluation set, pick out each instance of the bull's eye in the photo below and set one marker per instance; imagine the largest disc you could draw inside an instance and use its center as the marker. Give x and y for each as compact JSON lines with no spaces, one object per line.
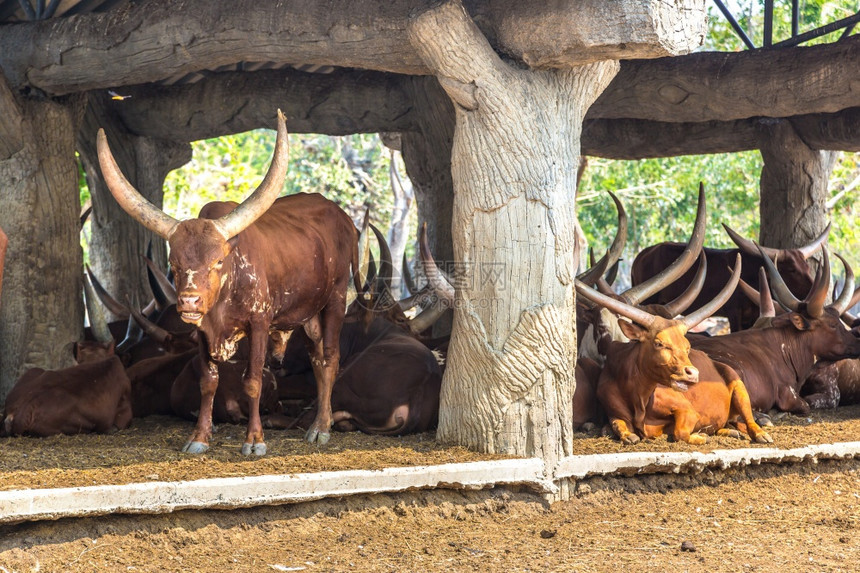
{"x":217,"y":266}
{"x":658,"y":344}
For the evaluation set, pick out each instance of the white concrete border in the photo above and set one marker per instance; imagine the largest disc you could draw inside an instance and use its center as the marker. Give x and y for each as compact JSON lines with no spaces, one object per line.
{"x":226,"y":493}
{"x":637,"y":463}
{"x":166,"y":497}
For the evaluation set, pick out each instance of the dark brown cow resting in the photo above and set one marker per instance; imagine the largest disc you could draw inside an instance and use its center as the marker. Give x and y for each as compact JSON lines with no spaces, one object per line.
{"x":774,"y":362}
{"x":229,"y":405}
{"x":389,"y":380}
{"x":90,"y":397}
{"x":245,"y":270}
{"x":738,"y":309}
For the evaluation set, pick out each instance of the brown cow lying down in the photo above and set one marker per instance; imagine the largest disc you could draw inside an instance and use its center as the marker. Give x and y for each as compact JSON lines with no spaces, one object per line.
{"x":658,"y":356}
{"x":230,"y":405}
{"x":388,"y":382}
{"x":90,"y":397}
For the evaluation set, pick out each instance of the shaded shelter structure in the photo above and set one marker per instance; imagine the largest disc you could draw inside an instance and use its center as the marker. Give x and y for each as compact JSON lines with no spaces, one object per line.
{"x":493,"y":99}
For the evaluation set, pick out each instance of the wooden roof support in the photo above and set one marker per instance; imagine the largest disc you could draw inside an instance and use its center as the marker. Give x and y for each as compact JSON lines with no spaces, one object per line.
{"x":149,"y":41}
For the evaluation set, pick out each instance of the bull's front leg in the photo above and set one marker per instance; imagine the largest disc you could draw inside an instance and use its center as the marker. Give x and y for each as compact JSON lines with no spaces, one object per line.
{"x":199,"y":440}
{"x":252,"y":384}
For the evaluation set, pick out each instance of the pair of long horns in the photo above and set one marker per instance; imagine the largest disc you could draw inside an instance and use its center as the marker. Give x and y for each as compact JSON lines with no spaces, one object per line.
{"x":163,"y":224}
{"x":756,"y":250}
{"x":647,"y":319}
{"x":817,"y":296}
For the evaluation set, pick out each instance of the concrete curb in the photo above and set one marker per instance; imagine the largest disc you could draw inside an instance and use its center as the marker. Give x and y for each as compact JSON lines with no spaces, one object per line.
{"x":229,"y":493}
{"x":637,"y":463}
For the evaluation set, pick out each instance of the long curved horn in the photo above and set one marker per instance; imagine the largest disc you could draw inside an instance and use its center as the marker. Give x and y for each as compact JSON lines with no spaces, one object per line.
{"x":438,"y":283}
{"x":113,"y":305}
{"x":128,"y":197}
{"x":671,"y":273}
{"x":707,"y":310}
{"x":133,"y":332}
{"x":98,"y":322}
{"x":750,"y":247}
{"x":163,"y":291}
{"x":263,"y":196}
{"x":595,"y":273}
{"x":760,"y":297}
{"x":808,"y":250}
{"x":386,"y":265}
{"x":680,"y":304}
{"x":590,"y":276}
{"x":427,"y":318}
{"x":635,"y":314}
{"x":820,"y":288}
{"x":765,"y":301}
{"x":841,"y":304}
{"x":408,"y":281}
{"x":151,"y":329}
{"x":777,"y":285}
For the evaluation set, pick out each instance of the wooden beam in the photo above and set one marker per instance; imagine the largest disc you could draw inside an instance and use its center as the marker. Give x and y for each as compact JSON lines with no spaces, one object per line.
{"x":348,"y":101}
{"x":339,"y":103}
{"x":149,"y":41}
{"x":642,"y":139}
{"x":727,"y":86}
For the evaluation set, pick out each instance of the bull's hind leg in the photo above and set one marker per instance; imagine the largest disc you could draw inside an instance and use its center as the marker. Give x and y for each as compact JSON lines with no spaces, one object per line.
{"x":252,"y":384}
{"x":324,"y":347}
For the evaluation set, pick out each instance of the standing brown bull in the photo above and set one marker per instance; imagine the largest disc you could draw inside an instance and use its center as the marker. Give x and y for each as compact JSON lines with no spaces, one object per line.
{"x":265,"y":265}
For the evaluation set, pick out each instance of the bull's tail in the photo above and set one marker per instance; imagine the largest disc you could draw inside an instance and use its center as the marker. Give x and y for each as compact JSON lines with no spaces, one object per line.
{"x":398,"y":422}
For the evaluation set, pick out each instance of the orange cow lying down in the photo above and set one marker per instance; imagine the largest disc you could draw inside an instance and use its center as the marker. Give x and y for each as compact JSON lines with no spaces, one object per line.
{"x":647,"y":385}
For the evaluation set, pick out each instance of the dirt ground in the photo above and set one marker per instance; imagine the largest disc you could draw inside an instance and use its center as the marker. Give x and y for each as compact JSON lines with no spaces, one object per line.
{"x":762,"y":518}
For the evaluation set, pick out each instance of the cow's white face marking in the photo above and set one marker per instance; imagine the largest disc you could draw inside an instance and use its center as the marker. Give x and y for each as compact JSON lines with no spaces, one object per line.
{"x":189,"y":277}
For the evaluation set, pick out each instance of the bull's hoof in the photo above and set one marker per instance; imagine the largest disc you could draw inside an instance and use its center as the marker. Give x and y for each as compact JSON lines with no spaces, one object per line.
{"x":256,"y":449}
{"x":763,"y":438}
{"x":762,"y":419}
{"x":314,"y":436}
{"x":698,"y":439}
{"x":195,"y":447}
{"x":630,"y":439}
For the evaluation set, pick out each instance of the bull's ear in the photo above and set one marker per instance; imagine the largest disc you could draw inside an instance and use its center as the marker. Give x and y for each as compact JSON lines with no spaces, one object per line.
{"x":799,"y":321}
{"x":631,"y":330}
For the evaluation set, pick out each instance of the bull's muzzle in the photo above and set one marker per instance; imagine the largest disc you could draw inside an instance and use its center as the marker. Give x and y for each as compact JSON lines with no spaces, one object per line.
{"x":190,"y":307}
{"x":689,"y":376}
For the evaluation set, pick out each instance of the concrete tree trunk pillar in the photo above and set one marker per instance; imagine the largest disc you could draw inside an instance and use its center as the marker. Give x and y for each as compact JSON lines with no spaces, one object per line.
{"x":42,"y":310}
{"x":509,"y":381}
{"x":117,"y":240}
{"x":793,"y":186}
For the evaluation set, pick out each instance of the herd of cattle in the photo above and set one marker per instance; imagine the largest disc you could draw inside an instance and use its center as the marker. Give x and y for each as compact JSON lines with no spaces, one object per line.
{"x":273,"y":315}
